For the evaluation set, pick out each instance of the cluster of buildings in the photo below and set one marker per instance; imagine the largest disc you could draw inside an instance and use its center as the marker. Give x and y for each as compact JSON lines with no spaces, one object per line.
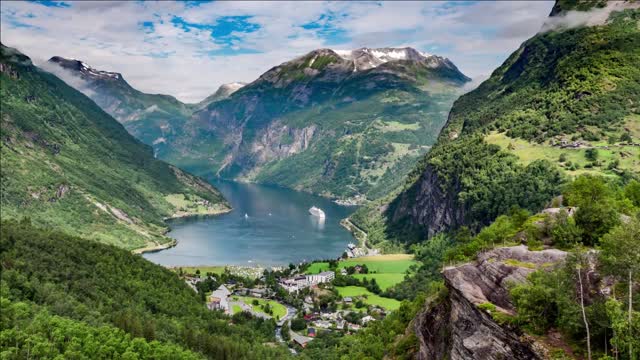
{"x":334,"y":321}
{"x":300,"y":282}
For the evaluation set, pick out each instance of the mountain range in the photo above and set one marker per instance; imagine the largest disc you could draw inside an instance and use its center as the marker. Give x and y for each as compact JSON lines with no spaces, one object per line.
{"x":347,"y":122}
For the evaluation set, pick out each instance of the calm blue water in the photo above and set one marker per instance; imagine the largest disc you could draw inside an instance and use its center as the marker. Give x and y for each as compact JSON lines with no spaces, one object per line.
{"x":278,"y":230}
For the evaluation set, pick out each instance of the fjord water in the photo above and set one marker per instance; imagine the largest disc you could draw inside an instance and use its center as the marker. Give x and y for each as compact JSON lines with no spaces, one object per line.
{"x":276,"y":230}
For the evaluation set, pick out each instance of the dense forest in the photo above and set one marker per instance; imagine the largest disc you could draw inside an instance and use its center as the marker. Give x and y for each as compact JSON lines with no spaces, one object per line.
{"x":53,"y":283}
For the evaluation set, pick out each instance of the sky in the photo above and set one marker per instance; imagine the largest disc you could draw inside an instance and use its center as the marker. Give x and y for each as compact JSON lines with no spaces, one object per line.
{"x":189,"y":48}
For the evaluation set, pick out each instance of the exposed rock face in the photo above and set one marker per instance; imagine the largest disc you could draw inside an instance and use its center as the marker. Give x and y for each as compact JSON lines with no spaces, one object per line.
{"x":279,"y":141}
{"x":457,"y":329}
{"x":428,"y":206}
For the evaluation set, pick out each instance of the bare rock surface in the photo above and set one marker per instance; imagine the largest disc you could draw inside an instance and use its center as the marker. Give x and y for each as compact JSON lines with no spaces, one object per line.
{"x":456,"y":328}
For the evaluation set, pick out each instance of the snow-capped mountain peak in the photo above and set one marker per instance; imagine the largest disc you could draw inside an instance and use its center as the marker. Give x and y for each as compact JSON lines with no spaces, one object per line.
{"x":84,"y":69}
{"x":367,"y":58}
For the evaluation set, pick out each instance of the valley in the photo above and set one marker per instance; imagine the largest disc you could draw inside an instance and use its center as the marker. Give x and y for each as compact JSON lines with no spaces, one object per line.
{"x":372,"y":203}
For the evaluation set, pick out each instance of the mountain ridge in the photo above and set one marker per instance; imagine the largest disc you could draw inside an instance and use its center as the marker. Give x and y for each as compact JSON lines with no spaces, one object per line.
{"x":209,"y":140}
{"x":67,"y":163}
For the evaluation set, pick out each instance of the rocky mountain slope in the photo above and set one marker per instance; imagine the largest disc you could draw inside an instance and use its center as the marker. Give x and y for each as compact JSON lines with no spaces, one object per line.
{"x":565,"y":102}
{"x":152,"y":118}
{"x":66,"y":163}
{"x":336,"y":123}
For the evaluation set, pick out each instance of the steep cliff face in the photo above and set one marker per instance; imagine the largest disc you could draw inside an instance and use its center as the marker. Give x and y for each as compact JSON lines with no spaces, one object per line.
{"x":345,"y":122}
{"x":457,"y":328}
{"x":429,"y":205}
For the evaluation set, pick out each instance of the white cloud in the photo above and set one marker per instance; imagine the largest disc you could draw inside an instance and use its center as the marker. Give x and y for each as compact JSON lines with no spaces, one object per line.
{"x":596,"y":16}
{"x":108,"y":36}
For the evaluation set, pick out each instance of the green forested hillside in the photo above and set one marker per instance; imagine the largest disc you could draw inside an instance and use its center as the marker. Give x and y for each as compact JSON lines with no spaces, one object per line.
{"x":566,"y":102}
{"x":71,"y":296}
{"x":151,"y":118}
{"x":68,"y":164}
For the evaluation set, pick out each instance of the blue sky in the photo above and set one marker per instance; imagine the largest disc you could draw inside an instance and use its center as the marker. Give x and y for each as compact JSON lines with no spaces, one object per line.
{"x":187,"y":49}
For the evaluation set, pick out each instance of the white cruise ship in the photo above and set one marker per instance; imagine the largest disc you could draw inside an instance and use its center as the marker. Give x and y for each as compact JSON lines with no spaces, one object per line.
{"x":316,"y":212}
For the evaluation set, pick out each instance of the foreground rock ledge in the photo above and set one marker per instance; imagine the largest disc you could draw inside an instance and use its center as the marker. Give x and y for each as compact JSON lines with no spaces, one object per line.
{"x":456,"y":328}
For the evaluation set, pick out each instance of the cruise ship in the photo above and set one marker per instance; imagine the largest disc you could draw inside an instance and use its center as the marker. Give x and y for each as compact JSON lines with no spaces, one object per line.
{"x":316,"y":212}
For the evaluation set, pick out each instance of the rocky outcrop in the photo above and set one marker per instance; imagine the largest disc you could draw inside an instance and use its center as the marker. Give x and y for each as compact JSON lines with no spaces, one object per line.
{"x":280,"y":141}
{"x":456,"y":328}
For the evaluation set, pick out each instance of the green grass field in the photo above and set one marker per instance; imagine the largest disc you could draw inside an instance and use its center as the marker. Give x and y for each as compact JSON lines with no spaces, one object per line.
{"x":527,"y":152}
{"x":388,"y":270}
{"x":371,"y":298}
{"x":383,"y":264}
{"x":317,"y":268}
{"x":236,"y":309}
{"x":391,"y":263}
{"x":385,"y":281}
{"x":388,"y":126}
{"x":278,"y":309}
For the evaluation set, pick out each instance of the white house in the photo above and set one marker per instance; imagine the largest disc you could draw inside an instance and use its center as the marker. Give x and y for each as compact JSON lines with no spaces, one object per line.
{"x":219,"y":299}
{"x":322,"y":277}
{"x":367,"y":318}
{"x":294,"y":284}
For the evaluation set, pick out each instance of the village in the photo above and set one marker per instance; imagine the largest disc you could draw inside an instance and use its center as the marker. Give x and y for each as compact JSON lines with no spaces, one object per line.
{"x":306,"y":299}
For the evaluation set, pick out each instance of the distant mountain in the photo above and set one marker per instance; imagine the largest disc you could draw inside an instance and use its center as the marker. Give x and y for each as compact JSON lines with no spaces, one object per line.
{"x":223,"y":92}
{"x":68,"y":164}
{"x":335,"y":123}
{"x":152,"y":118}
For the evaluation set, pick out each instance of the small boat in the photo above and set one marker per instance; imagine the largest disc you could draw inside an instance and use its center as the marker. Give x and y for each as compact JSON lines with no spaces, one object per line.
{"x":316,"y":212}
{"x":246,"y":216}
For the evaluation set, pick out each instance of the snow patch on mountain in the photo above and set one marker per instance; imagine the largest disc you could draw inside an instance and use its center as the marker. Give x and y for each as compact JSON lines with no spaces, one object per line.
{"x":83,"y":68}
{"x":367,"y":58}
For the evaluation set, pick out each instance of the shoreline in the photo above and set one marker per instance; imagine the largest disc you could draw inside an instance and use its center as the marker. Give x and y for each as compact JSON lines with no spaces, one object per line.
{"x":354,"y":230}
{"x":188,"y":215}
{"x":173,"y":242}
{"x":156,"y":247}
